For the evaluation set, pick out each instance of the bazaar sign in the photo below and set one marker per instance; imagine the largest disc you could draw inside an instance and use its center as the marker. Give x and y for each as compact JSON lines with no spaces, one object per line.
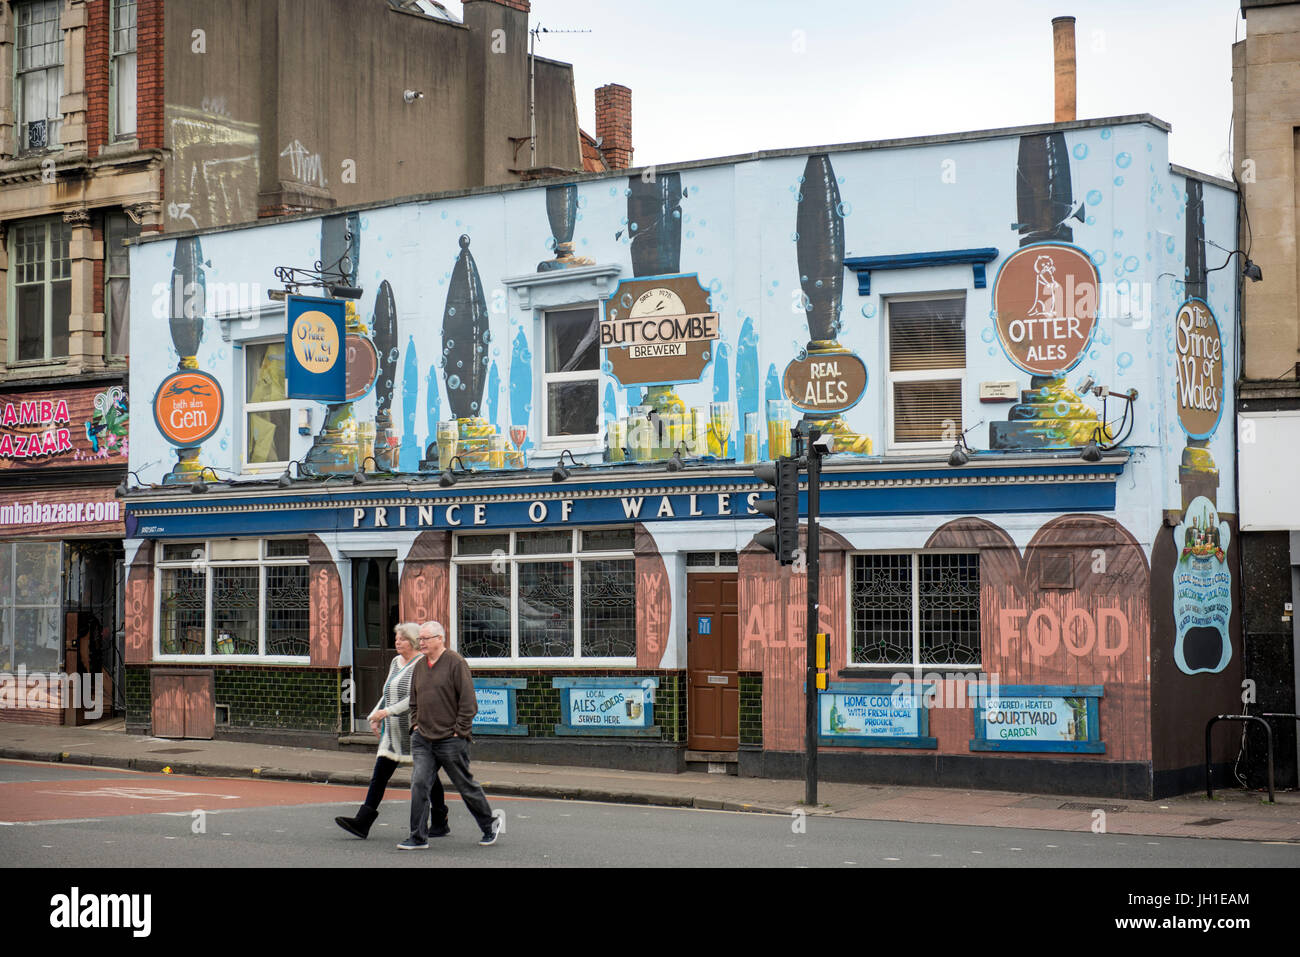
{"x":1199,"y":358}
{"x":68,"y":427}
{"x":1045,"y":307}
{"x":658,"y":331}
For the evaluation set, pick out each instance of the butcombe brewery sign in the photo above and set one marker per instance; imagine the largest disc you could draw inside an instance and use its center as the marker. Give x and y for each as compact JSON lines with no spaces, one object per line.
{"x":1199,"y":357}
{"x":658,"y":331}
{"x":1045,"y":305}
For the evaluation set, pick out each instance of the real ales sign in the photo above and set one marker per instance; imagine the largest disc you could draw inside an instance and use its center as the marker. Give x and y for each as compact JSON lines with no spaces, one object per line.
{"x":1199,"y":357}
{"x":315,"y":366}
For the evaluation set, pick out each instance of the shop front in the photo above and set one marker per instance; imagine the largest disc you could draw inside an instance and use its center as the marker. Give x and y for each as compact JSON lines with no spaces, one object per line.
{"x":1025,"y":573}
{"x":62,"y":453}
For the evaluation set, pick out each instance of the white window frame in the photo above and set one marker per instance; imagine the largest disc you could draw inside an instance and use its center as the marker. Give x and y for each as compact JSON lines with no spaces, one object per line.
{"x":557,"y":443}
{"x":19,"y":75}
{"x":118,"y":60}
{"x":111,"y":319}
{"x":49,"y":226}
{"x":915,"y":664}
{"x":200,"y":553}
{"x":894,"y":446}
{"x":246,"y":408}
{"x":575,"y":555}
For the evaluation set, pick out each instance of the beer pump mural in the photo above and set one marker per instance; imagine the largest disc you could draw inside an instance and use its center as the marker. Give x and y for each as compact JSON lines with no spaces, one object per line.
{"x":1045,"y":305}
{"x":189,"y":404}
{"x":1202,"y":575}
{"x":335,"y":448}
{"x":826,"y":379}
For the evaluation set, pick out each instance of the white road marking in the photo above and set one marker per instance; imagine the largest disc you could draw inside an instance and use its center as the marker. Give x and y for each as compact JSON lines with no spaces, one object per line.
{"x":142,"y":794}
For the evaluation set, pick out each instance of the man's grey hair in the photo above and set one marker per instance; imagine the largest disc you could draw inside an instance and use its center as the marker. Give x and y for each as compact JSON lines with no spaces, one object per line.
{"x":435,"y":627}
{"x":408,"y":630}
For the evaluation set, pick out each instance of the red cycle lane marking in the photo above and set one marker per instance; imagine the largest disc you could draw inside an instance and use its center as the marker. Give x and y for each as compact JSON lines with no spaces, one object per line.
{"x":27,"y":801}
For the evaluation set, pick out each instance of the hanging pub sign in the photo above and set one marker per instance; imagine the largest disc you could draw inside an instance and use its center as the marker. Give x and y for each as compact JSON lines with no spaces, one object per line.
{"x":315,"y":364}
{"x":658,"y":331}
{"x":1199,"y":360}
{"x":1045,"y":306}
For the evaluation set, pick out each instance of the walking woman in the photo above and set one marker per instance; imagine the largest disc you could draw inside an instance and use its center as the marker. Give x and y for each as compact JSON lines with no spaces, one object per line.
{"x":391,"y":722}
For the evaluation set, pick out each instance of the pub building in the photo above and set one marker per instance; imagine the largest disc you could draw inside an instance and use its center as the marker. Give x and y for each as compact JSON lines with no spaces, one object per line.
{"x":1026,"y":577}
{"x":63,"y":452}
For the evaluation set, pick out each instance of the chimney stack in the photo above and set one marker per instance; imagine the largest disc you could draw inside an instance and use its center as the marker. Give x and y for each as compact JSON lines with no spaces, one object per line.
{"x":1063,"y":54}
{"x":614,"y":125}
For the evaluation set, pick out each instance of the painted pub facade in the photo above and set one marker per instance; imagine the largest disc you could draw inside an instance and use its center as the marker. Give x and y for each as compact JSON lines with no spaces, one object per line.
{"x":536,"y":421}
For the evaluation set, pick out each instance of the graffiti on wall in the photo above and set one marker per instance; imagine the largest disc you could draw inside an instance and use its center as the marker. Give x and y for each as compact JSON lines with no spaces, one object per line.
{"x":212,"y":177}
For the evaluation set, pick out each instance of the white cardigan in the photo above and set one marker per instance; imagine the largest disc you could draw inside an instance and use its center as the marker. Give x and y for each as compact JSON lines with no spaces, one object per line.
{"x":395,"y":730}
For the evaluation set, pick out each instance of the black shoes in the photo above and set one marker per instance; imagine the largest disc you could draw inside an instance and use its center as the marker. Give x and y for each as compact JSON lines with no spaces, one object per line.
{"x":358,"y":826}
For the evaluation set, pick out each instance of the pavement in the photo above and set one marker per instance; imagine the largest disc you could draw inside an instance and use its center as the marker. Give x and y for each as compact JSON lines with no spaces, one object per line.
{"x":1233,"y":813}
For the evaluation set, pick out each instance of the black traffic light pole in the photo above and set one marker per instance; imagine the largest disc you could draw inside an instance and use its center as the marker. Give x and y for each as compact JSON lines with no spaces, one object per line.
{"x":782,"y":541}
{"x":814,"y":459}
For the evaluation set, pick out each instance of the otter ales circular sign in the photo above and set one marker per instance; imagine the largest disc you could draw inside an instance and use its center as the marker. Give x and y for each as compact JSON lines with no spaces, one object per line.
{"x":1199,"y":359}
{"x":1045,"y":305}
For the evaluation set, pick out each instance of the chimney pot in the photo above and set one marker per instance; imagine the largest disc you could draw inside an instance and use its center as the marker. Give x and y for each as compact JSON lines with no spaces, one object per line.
{"x":614,"y":125}
{"x":1063,"y":55}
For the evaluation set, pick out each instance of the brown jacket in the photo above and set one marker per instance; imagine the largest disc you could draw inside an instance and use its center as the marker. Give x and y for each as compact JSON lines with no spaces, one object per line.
{"x":442,"y":698}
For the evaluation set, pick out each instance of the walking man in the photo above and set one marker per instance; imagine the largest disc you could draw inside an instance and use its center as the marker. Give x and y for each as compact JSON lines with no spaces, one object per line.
{"x":442,"y":712}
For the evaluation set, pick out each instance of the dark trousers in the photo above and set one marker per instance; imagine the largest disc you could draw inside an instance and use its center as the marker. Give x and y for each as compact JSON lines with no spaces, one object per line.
{"x":451,"y":755}
{"x":384,"y":768}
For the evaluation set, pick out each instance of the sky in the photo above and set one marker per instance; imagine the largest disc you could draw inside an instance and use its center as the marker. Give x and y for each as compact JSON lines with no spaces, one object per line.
{"x":720,"y":77}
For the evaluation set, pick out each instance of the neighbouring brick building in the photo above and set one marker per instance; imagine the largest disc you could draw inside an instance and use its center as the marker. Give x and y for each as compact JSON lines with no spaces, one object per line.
{"x":127,"y":117}
{"x":1266,"y":139}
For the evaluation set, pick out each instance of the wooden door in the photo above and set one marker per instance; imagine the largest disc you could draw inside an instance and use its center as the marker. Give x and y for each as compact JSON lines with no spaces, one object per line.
{"x":183,"y":704}
{"x":374,"y":616}
{"x":713,"y":654}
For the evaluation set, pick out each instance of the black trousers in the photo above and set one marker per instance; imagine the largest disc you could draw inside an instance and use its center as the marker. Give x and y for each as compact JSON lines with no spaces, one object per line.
{"x":384,"y":768}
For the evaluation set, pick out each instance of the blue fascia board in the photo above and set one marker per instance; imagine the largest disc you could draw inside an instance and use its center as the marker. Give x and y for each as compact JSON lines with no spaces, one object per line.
{"x":977,"y":258}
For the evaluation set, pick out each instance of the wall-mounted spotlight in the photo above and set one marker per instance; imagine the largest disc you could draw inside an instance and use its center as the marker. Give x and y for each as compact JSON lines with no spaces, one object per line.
{"x":1249,"y":269}
{"x":124,"y":488}
{"x":199,"y":486}
{"x":961,"y":452}
{"x":450,"y":475}
{"x":675,"y":464}
{"x":561,"y":473}
{"x":410,"y":96}
{"x":359,"y":476}
{"x":286,"y":479}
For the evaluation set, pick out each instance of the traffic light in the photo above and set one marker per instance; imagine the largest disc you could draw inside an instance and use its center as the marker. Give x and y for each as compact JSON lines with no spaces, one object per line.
{"x":783,"y":507}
